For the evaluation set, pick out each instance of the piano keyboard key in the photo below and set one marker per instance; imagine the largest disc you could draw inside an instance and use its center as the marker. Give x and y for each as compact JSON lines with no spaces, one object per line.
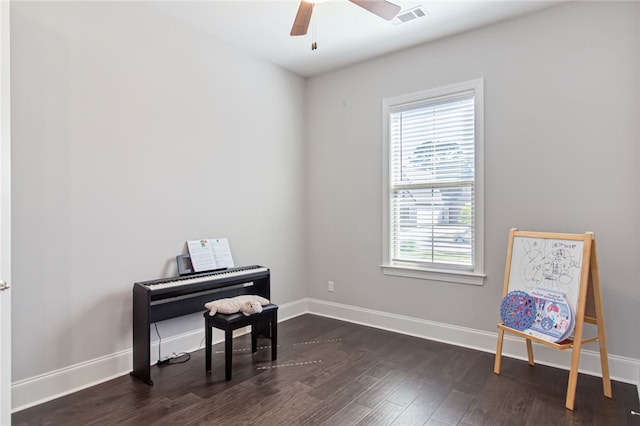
{"x":219,"y":275}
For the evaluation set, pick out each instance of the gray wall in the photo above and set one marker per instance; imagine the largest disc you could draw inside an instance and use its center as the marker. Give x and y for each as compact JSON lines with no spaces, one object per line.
{"x":131,"y":135}
{"x":561,"y":155}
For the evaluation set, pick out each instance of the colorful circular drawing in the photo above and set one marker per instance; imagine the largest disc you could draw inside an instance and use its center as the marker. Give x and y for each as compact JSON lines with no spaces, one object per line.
{"x":546,"y":323}
{"x":518,"y":310}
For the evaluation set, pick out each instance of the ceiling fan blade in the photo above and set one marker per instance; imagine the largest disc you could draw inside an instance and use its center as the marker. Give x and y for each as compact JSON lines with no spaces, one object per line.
{"x":301,"y":23}
{"x":382,"y":8}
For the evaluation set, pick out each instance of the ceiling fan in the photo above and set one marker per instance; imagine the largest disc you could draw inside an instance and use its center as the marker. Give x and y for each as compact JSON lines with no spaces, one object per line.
{"x":382,"y":8}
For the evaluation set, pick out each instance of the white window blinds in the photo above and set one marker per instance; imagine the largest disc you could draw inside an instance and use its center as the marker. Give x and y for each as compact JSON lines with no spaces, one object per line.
{"x":432,"y":181}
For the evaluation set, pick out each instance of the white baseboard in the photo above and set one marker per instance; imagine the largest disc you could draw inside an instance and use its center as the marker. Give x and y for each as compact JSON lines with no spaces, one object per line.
{"x":45,"y":387}
{"x":622,"y":369}
{"x":54,"y":384}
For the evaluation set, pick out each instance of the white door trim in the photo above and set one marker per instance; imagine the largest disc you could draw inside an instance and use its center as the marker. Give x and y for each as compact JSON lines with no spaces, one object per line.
{"x":5,"y":215}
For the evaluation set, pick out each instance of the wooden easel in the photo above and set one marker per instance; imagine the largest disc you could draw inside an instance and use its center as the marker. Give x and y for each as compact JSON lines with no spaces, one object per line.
{"x":588,"y":308}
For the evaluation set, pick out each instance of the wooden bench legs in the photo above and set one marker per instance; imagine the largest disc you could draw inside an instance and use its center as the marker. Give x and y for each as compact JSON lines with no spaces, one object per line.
{"x":265,"y":322}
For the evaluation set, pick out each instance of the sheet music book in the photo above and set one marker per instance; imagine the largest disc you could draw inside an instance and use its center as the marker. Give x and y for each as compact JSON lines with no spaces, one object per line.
{"x":210,"y":254}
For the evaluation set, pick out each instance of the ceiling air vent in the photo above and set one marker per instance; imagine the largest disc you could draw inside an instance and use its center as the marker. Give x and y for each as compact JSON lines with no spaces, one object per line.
{"x":409,"y":15}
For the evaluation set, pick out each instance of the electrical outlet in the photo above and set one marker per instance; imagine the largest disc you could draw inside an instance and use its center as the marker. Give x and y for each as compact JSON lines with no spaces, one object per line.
{"x":330,"y":286}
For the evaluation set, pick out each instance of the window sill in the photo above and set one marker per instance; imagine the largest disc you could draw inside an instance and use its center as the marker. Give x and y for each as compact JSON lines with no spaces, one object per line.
{"x":453,"y":276}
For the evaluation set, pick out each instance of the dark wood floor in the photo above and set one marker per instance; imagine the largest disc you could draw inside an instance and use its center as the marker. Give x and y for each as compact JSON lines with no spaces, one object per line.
{"x":331,"y":372}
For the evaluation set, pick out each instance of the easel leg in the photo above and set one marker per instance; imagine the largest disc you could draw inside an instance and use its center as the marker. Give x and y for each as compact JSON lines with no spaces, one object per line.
{"x":530,"y":352}
{"x":602,"y":341}
{"x":604,"y":363}
{"x":573,"y":375}
{"x":496,"y":365}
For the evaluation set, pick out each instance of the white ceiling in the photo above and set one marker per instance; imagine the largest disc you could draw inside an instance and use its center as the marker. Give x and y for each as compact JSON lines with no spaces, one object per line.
{"x":345,"y":33}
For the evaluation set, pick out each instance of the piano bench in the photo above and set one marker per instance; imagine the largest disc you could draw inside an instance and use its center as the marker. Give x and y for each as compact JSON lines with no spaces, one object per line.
{"x":266,"y":321}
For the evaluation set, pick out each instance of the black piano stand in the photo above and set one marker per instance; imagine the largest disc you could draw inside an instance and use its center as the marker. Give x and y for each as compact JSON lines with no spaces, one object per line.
{"x":152,"y":304}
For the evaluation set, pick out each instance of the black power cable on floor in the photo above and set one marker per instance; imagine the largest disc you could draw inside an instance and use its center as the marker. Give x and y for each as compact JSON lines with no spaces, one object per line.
{"x":172,"y":359}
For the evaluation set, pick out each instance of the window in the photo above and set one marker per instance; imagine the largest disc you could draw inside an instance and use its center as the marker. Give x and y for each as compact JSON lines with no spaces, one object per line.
{"x":433,"y":190}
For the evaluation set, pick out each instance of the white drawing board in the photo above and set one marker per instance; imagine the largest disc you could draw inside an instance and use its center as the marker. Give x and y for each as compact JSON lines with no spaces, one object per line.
{"x":549,"y":263}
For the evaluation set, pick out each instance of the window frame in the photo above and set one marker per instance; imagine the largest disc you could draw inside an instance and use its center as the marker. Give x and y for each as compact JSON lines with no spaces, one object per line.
{"x":411,"y":269}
